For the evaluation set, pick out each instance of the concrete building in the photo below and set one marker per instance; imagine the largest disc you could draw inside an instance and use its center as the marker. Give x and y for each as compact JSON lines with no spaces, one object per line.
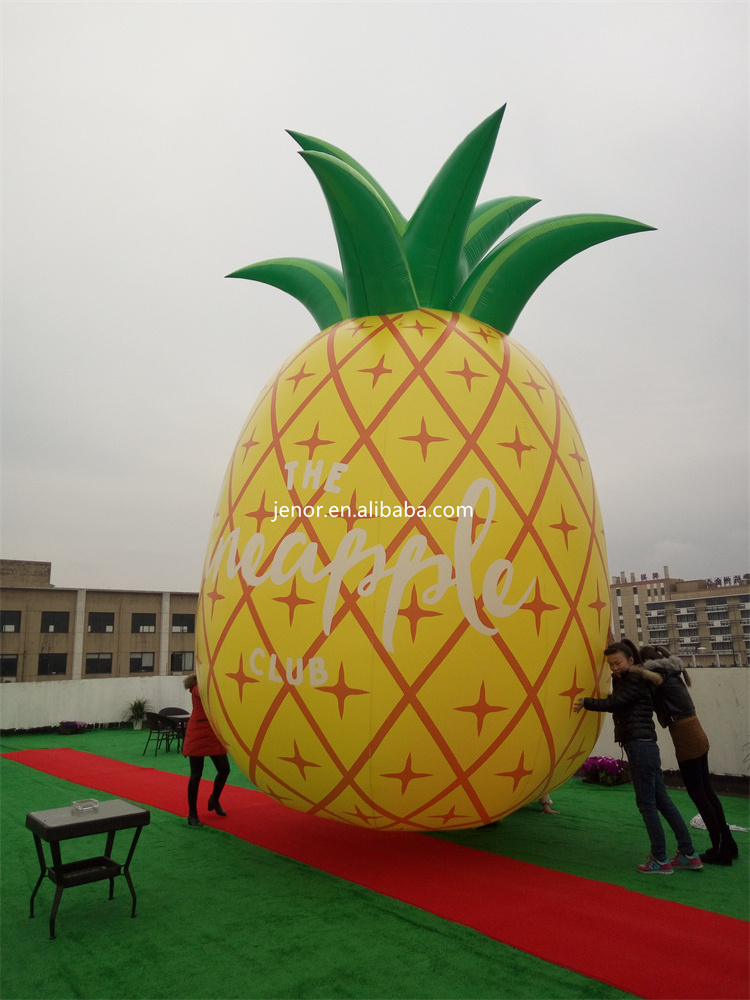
{"x":706,"y":621}
{"x":50,"y":633}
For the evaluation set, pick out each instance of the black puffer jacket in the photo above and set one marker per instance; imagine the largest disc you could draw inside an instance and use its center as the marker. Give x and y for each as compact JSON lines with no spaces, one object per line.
{"x":672,"y":699}
{"x":631,"y":706}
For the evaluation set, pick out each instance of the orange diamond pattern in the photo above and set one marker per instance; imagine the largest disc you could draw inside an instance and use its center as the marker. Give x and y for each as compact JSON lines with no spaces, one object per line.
{"x":388,"y":397}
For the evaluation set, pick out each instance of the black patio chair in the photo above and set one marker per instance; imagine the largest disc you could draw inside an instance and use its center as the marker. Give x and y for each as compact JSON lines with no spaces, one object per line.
{"x":159,"y":726}
{"x":177,"y":718}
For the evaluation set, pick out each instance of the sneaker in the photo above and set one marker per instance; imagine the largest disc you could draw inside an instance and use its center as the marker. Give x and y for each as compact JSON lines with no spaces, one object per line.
{"x":654,"y":867}
{"x":691,"y":861}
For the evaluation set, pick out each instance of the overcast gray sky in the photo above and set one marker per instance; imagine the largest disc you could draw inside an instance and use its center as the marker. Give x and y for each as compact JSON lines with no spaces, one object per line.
{"x":145,"y":157}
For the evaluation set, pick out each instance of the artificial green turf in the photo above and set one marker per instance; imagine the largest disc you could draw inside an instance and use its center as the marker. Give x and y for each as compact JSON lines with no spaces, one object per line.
{"x":221,"y":918}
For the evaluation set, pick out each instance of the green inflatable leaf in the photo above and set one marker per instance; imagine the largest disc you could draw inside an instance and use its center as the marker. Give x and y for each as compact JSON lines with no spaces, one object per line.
{"x":309,"y":142}
{"x":502,"y":283}
{"x":319,"y":287}
{"x":488,"y":223}
{"x":375,"y":269}
{"x":435,"y":236}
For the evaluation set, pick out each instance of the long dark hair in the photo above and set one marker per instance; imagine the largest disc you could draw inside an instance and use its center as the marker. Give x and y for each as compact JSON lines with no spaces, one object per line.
{"x":625,"y":646}
{"x":661,"y":653}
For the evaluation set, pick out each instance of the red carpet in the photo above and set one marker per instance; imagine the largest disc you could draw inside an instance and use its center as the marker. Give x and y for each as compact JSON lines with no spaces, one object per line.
{"x":699,"y":955}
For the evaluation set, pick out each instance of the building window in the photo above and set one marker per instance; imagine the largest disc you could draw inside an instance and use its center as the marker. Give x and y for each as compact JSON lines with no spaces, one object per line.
{"x":98,"y":663}
{"x":141,"y":663}
{"x":101,"y":621}
{"x":716,"y":616}
{"x":181,"y":663}
{"x":8,"y":665}
{"x":183,"y":623}
{"x":55,"y":621}
{"x":143,"y":623}
{"x":10,"y":621}
{"x":52,"y":664}
{"x":716,"y":602}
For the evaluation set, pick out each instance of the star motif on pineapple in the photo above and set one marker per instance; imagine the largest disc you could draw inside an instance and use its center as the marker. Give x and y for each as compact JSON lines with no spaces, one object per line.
{"x":414,"y":613}
{"x":277,"y":795}
{"x":481,"y":709}
{"x":299,"y":761}
{"x":314,"y":441}
{"x":242,"y":678}
{"x":419,"y":327}
{"x":250,"y":443}
{"x":532,"y":384}
{"x":342,"y":690}
{"x":424,"y":439}
{"x":407,"y":775}
{"x":518,"y":774}
{"x":293,"y":600}
{"x":580,"y":752}
{"x":598,"y":605}
{"x":449,"y":816}
{"x":377,"y":371}
{"x":577,"y":458}
{"x":358,"y":814}
{"x":572,"y":692}
{"x":477,"y":522}
{"x":358,"y":328}
{"x":351,"y":517}
{"x":538,"y":607}
{"x":518,"y":446}
{"x":486,"y":335}
{"x":301,"y":374}
{"x":467,"y":374}
{"x":261,"y":513}
{"x":564,"y":526}
{"x":214,"y":596}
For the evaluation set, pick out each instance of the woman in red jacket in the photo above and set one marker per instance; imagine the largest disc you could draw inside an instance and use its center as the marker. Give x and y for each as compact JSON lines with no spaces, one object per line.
{"x":201,"y":742}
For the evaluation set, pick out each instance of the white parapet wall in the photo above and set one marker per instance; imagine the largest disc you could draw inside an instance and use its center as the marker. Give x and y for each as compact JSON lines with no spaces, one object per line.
{"x":720,"y":695}
{"x":722,"y":704}
{"x":48,"y":703}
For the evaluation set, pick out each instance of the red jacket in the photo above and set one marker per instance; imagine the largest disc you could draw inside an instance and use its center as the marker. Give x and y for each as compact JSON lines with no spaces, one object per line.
{"x":200,"y":739}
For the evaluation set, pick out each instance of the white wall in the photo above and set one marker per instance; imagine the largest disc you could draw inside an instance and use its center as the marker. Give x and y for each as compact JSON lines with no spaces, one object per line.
{"x":47,"y":703}
{"x":721,"y":700}
{"x":720,"y":695}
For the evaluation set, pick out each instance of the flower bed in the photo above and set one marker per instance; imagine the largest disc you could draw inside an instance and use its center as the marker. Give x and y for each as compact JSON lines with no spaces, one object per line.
{"x":604,"y":771}
{"x":70,"y":728}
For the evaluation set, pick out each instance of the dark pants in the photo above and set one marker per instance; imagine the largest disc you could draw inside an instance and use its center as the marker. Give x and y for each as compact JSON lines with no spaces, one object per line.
{"x":651,"y":798}
{"x":697,"y":780}
{"x":221,"y":762}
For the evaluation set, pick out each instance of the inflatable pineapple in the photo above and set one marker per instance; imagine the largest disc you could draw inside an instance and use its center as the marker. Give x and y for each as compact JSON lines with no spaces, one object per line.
{"x":406,"y":584}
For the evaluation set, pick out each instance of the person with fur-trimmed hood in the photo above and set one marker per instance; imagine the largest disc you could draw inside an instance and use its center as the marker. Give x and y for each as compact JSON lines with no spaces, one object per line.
{"x":675,"y":710}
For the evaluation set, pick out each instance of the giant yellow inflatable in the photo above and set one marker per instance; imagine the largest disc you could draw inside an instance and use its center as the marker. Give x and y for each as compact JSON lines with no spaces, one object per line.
{"x":406,"y":584}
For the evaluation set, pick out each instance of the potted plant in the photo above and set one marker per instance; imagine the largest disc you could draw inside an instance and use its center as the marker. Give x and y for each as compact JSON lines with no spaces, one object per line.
{"x":135,"y":712}
{"x":604,"y":771}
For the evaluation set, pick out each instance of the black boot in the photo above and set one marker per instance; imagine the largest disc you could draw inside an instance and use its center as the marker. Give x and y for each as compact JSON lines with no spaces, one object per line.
{"x":734,"y":850}
{"x":194,"y":821}
{"x":721,"y":855}
{"x":213,"y":806}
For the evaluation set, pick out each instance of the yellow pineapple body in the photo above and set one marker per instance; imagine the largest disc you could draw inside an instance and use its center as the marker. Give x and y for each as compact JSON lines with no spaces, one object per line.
{"x":414,"y":671}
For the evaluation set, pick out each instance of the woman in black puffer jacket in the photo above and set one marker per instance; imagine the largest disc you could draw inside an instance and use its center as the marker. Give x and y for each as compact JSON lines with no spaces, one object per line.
{"x":632,"y":707}
{"x":675,"y":709}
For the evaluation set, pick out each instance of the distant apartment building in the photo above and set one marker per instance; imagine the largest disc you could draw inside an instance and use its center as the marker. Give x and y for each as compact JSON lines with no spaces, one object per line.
{"x":707,"y":621}
{"x":50,"y":633}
